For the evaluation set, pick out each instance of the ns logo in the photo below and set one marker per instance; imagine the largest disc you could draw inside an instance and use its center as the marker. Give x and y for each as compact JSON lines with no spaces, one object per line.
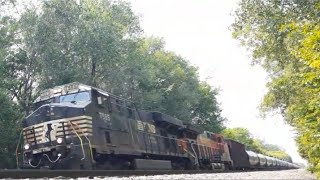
{"x":49,"y":132}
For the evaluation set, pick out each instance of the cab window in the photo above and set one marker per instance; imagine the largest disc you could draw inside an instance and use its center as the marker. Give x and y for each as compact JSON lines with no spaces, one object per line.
{"x":76,"y":97}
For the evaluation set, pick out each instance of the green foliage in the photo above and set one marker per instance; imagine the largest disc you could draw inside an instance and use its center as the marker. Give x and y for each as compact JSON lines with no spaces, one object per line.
{"x":283,"y":37}
{"x":253,"y":144}
{"x":9,"y":131}
{"x":242,"y":135}
{"x":100,"y":43}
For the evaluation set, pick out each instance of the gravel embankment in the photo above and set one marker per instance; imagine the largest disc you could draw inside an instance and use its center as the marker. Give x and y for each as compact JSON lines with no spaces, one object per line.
{"x":285,"y":174}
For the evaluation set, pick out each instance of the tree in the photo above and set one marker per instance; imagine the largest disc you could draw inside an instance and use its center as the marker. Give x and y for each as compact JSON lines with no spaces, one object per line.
{"x":166,"y":82}
{"x":283,"y":37}
{"x":99,"y":43}
{"x":243,"y":136}
{"x":9,"y":131}
{"x":135,"y":68}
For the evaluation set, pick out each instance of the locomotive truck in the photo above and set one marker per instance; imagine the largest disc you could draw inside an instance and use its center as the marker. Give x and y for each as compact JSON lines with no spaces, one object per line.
{"x":76,"y":126}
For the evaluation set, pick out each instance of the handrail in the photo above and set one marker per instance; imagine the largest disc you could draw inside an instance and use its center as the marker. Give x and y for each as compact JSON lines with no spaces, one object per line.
{"x":88,"y":141}
{"x":17,"y":149}
{"x":195,"y":153}
{"x":84,"y":156}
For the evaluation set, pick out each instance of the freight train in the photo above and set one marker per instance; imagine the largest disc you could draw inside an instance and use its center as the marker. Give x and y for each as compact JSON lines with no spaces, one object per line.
{"x":75,"y":126}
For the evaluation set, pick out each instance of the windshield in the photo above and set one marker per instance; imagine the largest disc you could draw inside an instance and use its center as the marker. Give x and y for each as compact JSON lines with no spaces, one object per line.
{"x":40,"y":103}
{"x":76,"y":97}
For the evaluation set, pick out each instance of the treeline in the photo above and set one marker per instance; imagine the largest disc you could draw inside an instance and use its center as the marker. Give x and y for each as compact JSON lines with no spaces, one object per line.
{"x":254,"y":144}
{"x":284,"y":36}
{"x":99,"y":43}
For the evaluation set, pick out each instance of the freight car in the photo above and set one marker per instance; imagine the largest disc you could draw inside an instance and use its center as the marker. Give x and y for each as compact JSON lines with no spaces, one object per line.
{"x":82,"y":127}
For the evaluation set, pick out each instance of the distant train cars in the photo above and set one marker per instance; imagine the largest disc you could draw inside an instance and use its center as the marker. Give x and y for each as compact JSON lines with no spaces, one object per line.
{"x":77,"y":126}
{"x":243,"y":159}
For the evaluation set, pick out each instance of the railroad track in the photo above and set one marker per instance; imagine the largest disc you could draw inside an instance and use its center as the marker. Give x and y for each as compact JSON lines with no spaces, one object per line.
{"x":21,"y":174}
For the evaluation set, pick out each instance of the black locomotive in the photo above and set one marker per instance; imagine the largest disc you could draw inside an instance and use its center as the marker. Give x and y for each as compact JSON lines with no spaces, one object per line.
{"x":81,"y":127}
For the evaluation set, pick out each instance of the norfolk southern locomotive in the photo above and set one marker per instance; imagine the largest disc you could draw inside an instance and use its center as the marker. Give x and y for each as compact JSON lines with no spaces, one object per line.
{"x":76,"y":126}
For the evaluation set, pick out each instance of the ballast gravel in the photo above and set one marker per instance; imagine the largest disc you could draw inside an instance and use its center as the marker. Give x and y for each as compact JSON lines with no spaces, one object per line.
{"x":284,"y":174}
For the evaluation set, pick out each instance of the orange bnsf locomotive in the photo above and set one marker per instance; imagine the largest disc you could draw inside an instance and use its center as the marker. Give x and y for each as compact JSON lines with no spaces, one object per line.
{"x":75,"y":126}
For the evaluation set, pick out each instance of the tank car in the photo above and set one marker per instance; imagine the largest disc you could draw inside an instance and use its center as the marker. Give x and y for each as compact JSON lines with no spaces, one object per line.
{"x":262,"y":161}
{"x":254,"y":160}
{"x":249,"y":160}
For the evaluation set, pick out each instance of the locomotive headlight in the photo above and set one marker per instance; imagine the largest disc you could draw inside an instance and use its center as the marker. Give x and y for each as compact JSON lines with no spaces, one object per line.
{"x":26,"y":146}
{"x":59,"y":140}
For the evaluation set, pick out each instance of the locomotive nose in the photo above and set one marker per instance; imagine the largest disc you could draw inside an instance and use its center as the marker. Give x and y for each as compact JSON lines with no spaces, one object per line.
{"x":50,"y":131}
{"x":53,"y":111}
{"x":42,"y":114}
{"x":58,"y":111}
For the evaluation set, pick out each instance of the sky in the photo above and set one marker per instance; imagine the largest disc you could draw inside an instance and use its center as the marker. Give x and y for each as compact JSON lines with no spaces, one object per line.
{"x":198,"y":30}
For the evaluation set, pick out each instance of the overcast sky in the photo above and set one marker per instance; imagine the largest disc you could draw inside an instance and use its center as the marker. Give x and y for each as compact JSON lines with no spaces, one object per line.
{"x":198,"y":30}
